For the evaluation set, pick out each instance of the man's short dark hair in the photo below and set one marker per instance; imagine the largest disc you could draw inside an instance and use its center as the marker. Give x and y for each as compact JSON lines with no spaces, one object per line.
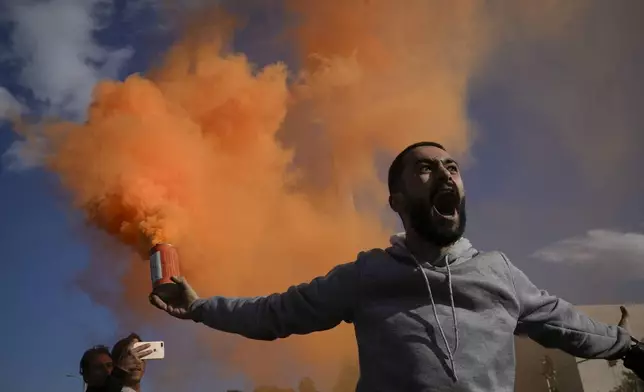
{"x":122,"y":344}
{"x":91,"y":354}
{"x":398,"y":165}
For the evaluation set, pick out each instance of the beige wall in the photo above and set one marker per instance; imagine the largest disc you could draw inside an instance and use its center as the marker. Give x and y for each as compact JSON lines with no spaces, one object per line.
{"x":529,"y":378}
{"x":597,"y":376}
{"x":588,"y":376}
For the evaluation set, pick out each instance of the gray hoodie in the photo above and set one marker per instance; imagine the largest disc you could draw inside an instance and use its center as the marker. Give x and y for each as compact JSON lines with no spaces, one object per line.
{"x":423,"y":327}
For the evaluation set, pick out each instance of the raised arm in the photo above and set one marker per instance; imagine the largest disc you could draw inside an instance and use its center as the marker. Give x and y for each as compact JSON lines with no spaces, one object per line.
{"x":555,"y":323}
{"x":316,"y":306}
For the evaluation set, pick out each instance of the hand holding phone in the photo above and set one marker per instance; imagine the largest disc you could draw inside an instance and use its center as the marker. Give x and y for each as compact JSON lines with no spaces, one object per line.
{"x":157,"y":348}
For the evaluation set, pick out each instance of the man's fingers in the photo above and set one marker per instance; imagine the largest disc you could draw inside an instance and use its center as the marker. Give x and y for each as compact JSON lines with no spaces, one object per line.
{"x":138,"y":349}
{"x":144,"y":354}
{"x":180,"y":280}
{"x":174,"y":311}
{"x":183,"y":282}
{"x":158,"y":302}
{"x":178,"y":312}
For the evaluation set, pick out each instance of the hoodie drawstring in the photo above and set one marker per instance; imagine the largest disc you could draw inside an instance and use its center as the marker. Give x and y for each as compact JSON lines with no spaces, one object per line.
{"x":450,"y":352}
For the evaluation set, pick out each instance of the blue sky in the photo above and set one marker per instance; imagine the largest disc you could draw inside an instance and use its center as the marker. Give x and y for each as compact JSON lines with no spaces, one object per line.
{"x":554,"y":180}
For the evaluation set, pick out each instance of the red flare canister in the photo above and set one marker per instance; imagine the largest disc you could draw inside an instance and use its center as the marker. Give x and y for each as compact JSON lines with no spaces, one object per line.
{"x":164,"y":263}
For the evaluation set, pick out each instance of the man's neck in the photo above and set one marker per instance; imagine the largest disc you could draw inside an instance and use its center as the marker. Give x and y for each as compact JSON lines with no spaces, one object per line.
{"x":423,"y":249}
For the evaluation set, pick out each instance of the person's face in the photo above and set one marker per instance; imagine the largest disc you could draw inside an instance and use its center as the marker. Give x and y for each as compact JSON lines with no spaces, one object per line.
{"x":99,"y":367}
{"x":136,"y":375}
{"x":431,"y":200}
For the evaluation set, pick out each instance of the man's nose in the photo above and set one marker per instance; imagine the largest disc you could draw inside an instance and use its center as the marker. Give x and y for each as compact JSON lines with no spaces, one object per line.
{"x":443,"y":173}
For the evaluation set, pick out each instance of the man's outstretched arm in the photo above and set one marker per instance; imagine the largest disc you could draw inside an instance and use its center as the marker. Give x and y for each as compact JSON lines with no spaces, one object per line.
{"x":555,"y":323}
{"x":316,"y":306}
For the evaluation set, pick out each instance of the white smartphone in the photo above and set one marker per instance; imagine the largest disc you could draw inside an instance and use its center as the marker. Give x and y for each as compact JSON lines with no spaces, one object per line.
{"x":158,"y":350}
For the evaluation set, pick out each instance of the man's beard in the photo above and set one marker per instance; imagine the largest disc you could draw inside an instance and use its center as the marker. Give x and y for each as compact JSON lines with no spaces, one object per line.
{"x":420,"y":215}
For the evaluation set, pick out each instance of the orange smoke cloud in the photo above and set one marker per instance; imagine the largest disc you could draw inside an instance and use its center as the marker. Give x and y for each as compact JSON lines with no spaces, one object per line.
{"x":253,"y":177}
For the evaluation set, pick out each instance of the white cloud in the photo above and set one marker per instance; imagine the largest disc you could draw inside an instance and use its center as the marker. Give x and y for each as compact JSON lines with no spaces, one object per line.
{"x":615,"y":252}
{"x":60,"y":59}
{"x":23,"y":155}
{"x":9,"y":105}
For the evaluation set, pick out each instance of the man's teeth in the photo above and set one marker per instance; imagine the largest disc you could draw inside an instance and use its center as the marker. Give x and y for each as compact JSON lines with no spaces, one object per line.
{"x":451,"y":214}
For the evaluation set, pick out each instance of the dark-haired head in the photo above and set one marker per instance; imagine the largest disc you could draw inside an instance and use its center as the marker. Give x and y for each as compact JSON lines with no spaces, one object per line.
{"x":120,"y":350}
{"x":95,"y":365}
{"x":121,"y":346}
{"x":398,"y":164}
{"x":426,"y":190}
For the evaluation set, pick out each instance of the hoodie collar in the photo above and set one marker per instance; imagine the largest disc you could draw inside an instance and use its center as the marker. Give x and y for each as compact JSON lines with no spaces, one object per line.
{"x":457,"y":253}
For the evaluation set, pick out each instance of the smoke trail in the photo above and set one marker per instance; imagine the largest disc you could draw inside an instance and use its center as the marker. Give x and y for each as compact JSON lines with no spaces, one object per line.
{"x":377,"y":77}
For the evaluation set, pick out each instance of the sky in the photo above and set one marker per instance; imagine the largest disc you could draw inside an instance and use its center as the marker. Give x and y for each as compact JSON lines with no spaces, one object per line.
{"x":541,"y":102}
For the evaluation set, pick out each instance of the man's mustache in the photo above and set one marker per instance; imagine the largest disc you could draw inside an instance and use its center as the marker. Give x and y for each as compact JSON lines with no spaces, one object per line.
{"x":444,"y":187}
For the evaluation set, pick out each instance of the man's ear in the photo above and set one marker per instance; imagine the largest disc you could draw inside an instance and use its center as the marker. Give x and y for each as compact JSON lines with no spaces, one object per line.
{"x":397,"y":202}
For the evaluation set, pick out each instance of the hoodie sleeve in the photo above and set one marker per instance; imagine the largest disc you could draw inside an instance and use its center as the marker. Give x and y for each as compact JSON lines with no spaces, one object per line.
{"x":555,"y":323}
{"x":316,"y":306}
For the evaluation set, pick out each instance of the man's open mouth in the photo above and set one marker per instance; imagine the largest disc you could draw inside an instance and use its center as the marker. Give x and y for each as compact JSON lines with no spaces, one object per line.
{"x":446,"y":202}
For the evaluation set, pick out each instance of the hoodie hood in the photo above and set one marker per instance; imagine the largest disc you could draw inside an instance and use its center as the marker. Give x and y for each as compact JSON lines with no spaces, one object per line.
{"x":457,"y":253}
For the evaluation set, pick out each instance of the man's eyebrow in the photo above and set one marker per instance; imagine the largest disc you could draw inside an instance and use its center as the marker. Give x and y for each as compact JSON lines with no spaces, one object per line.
{"x":445,"y":161}
{"x":450,"y":161}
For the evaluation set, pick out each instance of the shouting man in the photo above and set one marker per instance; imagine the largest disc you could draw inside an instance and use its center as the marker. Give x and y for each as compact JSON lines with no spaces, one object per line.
{"x":431,"y":313}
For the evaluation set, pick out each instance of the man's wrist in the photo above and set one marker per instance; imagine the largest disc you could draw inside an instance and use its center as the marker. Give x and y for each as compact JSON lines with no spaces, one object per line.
{"x":634,"y":353}
{"x":632,"y":344}
{"x":196,"y":310}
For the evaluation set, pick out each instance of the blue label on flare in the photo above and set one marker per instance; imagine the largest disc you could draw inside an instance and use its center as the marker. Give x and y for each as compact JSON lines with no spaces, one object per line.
{"x":156,"y":272}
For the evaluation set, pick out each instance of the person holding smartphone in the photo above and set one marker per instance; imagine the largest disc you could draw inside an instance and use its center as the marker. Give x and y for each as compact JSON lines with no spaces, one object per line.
{"x":101,"y":373}
{"x":130,"y":368}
